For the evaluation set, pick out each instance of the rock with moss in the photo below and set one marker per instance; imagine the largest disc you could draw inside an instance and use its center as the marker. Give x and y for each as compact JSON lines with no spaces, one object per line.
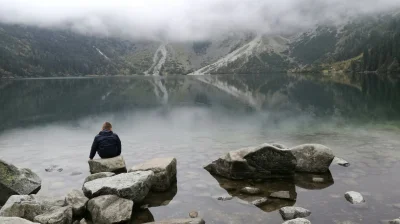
{"x":29,"y":206}
{"x":15,"y":220}
{"x":14,"y":181}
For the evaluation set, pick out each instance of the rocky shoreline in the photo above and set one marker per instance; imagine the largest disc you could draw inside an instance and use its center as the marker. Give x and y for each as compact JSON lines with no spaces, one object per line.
{"x":115,"y":194}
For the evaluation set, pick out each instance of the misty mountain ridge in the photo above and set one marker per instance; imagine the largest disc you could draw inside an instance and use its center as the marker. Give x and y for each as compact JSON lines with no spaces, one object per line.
{"x":370,"y":43}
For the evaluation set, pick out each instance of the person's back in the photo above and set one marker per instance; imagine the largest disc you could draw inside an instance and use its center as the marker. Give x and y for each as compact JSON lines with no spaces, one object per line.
{"x":107,"y":144}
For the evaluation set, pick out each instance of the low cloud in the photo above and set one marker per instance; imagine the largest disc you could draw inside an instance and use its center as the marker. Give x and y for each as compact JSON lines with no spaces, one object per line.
{"x":184,"y":20}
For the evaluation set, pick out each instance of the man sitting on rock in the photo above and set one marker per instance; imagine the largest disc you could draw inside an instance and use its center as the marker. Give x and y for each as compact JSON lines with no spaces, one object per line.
{"x":107,"y":144}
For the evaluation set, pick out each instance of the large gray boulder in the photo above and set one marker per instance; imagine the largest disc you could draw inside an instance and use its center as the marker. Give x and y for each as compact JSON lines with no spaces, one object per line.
{"x":14,"y":181}
{"x":29,"y":206}
{"x":61,"y":215}
{"x":288,"y":213}
{"x":15,"y":220}
{"x":260,"y":162}
{"x":313,"y":158}
{"x":98,"y":176}
{"x":134,"y":186}
{"x":77,"y":200}
{"x":115,"y":165}
{"x":180,"y":221}
{"x":164,"y":172}
{"x":108,"y":209}
{"x":297,"y":221}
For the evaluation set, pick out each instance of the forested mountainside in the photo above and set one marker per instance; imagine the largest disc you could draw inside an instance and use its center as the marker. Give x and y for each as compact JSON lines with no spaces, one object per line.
{"x":367,"y":44}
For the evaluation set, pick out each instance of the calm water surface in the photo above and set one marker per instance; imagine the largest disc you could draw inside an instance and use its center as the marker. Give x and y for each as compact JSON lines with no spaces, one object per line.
{"x":197,"y":119}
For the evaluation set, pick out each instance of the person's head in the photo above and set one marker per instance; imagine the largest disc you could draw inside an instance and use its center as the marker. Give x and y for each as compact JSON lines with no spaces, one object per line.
{"x":107,"y":126}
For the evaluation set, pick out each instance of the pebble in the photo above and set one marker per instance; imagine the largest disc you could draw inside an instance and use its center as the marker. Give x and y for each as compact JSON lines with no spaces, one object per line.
{"x":193,"y":214}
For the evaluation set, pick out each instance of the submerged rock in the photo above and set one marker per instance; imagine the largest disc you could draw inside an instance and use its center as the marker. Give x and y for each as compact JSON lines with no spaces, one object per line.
{"x":340,"y":162}
{"x":155,"y":199}
{"x":77,"y":200}
{"x":250,"y":190}
{"x":15,"y":220}
{"x":180,"y":221}
{"x":14,"y":181}
{"x":297,"y":221}
{"x":61,"y":215}
{"x":313,"y":181}
{"x":115,"y":165}
{"x":354,"y":197}
{"x":260,"y":202}
{"x":313,"y":158}
{"x":261,"y":162}
{"x":29,"y":206}
{"x":288,"y":213}
{"x":98,"y":176}
{"x":110,"y":209}
{"x":164,"y":172}
{"x":134,"y":186}
{"x":284,"y":195}
{"x":193,"y":214}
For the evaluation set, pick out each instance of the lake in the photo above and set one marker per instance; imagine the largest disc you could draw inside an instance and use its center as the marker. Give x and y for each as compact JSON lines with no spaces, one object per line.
{"x":46,"y":122}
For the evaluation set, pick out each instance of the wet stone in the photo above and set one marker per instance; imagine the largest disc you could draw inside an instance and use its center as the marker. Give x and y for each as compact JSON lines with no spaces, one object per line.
{"x":250,"y":190}
{"x":394,"y":221}
{"x":284,"y":195}
{"x":180,"y":221}
{"x":224,"y":198}
{"x":289,"y":213}
{"x":260,"y":202}
{"x":193,"y":214}
{"x":340,"y":162}
{"x":354,"y":197}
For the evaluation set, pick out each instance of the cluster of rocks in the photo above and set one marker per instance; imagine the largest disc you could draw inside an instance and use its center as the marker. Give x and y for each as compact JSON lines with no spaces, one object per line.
{"x":108,"y":195}
{"x":305,"y":165}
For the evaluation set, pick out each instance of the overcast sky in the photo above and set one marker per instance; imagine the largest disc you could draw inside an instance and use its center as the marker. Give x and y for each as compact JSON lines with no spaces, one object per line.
{"x":180,"y":20}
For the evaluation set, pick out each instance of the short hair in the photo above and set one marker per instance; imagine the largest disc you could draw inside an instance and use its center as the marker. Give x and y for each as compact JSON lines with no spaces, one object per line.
{"x":107,"y":126}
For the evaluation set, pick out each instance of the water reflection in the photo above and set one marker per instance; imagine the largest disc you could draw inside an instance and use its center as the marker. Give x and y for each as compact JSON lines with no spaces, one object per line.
{"x":268,"y":188}
{"x":155,"y":199}
{"x":313,"y":181}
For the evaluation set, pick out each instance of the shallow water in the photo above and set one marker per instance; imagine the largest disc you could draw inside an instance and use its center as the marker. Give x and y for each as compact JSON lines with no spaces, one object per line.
{"x":53,"y":122}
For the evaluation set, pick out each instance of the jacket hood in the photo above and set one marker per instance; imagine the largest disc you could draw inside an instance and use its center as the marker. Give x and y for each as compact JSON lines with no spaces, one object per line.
{"x":105,"y":132}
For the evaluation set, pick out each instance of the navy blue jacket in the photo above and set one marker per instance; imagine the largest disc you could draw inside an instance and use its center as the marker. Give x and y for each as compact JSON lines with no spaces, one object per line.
{"x":107,"y":144}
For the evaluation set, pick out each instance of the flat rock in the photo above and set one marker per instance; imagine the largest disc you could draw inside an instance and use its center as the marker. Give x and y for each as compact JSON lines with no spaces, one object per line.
{"x":77,"y":200}
{"x":354,"y":197}
{"x":164,"y":172}
{"x":297,"y":221}
{"x":261,"y":162}
{"x":340,"y":162}
{"x":98,"y":176}
{"x":260,"y":202}
{"x":313,"y":158}
{"x":284,"y":195}
{"x":250,"y":190}
{"x":115,"y":165}
{"x":134,"y":186}
{"x":15,"y":220}
{"x":29,"y":206}
{"x":60,"y":215}
{"x":180,"y":221}
{"x":14,"y":181}
{"x":108,"y":209}
{"x":289,"y":213}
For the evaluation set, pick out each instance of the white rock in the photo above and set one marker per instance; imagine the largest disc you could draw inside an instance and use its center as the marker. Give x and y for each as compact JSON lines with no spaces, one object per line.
{"x":115,"y":165}
{"x":98,"y":176}
{"x":354,"y":197}
{"x":134,"y":186}
{"x":164,"y":172}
